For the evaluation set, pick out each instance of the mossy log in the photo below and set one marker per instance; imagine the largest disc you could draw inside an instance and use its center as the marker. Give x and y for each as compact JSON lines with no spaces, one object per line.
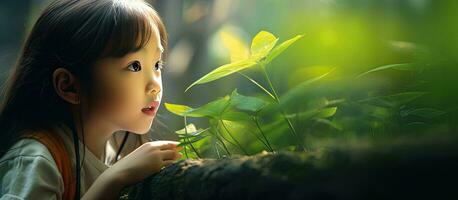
{"x":394,"y":171}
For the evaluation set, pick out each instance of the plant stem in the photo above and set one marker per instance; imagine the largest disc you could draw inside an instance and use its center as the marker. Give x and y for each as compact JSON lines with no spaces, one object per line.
{"x":233,"y":138}
{"x":225,"y":139}
{"x":255,"y":118}
{"x":222,"y":142}
{"x":224,"y":146}
{"x":185,"y":146}
{"x":190,"y":144}
{"x":257,"y":84}
{"x":216,"y":148}
{"x":185,"y":151}
{"x":277,"y":99}
{"x":260,"y":139}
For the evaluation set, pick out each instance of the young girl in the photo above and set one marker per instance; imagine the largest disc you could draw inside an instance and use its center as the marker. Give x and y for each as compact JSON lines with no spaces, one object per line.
{"x":88,"y":69}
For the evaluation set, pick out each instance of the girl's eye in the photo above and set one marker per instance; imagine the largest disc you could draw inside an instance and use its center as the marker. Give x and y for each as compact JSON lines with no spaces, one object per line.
{"x":135,"y":66}
{"x":158,"y":65}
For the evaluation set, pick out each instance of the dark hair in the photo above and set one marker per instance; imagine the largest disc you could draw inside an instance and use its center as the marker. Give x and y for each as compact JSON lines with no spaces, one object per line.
{"x":72,"y":34}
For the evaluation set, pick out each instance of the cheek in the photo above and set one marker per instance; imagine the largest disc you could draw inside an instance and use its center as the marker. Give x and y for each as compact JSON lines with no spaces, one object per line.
{"x":118,"y":100}
{"x":162,"y":88}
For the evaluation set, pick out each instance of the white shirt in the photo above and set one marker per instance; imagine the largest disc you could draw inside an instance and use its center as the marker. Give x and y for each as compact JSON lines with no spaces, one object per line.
{"x":28,"y":170}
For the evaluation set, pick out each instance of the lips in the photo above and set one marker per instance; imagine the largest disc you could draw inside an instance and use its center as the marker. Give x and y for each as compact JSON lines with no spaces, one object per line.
{"x":151,"y":109}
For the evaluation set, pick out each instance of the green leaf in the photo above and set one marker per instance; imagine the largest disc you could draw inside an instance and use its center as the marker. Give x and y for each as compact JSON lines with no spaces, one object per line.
{"x":181,"y":110}
{"x":299,"y":89}
{"x":395,"y":100}
{"x":190,"y":128}
{"x":315,"y":113}
{"x":330,"y":123}
{"x":220,"y":108}
{"x":326,"y":112}
{"x":262,"y":44}
{"x":235,"y":116}
{"x":193,"y":140}
{"x":381,"y":113}
{"x":428,"y":113}
{"x":211,"y":109}
{"x":282,"y":47}
{"x":193,"y":134}
{"x":223,"y":71}
{"x":402,"y":66}
{"x":247,"y":103}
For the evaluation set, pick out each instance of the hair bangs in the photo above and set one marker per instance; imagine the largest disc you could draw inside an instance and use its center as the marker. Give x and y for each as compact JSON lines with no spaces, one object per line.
{"x":134,"y":24}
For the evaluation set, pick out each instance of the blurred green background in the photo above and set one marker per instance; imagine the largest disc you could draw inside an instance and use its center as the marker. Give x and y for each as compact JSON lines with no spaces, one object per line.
{"x":349,"y":36}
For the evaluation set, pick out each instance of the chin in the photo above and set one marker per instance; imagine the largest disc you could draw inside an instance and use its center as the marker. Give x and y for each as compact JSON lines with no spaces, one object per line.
{"x":139,"y":125}
{"x":141,"y":129}
{"x":143,"y":132}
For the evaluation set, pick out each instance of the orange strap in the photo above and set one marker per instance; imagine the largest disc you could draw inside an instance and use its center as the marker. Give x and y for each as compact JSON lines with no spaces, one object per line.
{"x":56,"y":147}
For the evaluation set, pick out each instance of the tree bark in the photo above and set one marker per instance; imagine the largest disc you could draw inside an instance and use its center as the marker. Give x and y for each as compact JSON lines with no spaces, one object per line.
{"x":388,"y":171}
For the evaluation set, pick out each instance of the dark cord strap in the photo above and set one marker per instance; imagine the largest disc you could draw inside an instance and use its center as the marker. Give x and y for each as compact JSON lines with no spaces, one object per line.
{"x":124,"y":140}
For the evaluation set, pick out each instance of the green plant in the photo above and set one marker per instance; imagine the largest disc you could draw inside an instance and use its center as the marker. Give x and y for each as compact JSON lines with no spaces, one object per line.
{"x":238,"y":108}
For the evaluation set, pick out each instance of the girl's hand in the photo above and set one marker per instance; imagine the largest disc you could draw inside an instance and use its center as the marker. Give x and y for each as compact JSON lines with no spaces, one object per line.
{"x":144,"y":161}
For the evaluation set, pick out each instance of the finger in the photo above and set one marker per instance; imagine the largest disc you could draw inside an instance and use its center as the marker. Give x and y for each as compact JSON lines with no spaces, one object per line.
{"x":160,"y":142}
{"x":178,"y":155}
{"x":169,"y":145}
{"x":168,"y":154}
{"x":167,"y":162}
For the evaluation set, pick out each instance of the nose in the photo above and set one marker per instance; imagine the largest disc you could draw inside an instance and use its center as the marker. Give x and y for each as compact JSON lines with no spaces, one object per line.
{"x":154,"y":86}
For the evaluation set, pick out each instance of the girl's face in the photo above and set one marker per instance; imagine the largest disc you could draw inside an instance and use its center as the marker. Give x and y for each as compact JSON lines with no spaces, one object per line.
{"x":124,"y":87}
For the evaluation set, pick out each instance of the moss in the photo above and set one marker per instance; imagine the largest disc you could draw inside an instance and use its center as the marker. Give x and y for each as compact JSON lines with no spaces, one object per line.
{"x":382,"y":171}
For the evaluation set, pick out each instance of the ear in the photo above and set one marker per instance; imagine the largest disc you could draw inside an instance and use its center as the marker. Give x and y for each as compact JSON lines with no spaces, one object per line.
{"x":66,"y":85}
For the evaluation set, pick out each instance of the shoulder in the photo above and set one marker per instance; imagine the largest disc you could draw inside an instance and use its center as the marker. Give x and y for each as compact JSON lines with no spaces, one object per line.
{"x":28,"y":148}
{"x":28,"y":170}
